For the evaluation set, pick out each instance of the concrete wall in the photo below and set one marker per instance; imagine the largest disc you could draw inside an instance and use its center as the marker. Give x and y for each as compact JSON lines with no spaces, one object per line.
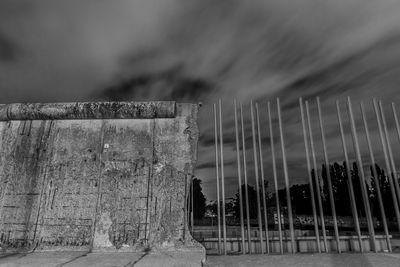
{"x":81,"y":182}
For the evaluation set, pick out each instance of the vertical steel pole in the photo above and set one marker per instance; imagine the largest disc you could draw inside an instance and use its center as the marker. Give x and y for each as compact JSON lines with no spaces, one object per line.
{"x":362,"y":178}
{"x":217,"y":175}
{"x":388,"y":168}
{"x":375,"y":173}
{"x":317,"y":185}
{"x":396,"y":120}
{"x":349,"y":179}
{"x":286,"y":175}
{"x":253,"y":128}
{"x":262,"y":178}
{"x":222,"y":174}
{"x":317,"y":237}
{"x":398,"y":135}
{"x":245,"y":179}
{"x":389,"y":146}
{"x":278,"y":211}
{"x":328,"y":177}
{"x":239,"y":179}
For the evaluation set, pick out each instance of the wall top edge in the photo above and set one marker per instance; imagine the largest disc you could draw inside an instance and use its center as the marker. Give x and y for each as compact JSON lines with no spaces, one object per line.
{"x":88,"y":110}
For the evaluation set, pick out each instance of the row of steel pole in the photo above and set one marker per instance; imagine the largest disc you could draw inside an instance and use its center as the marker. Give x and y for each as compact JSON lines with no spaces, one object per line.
{"x":314,"y":180}
{"x":259,"y":171}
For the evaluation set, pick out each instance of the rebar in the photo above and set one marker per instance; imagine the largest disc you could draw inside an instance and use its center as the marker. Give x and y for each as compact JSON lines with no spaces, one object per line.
{"x":310,"y":181}
{"x":262,"y":178}
{"x":286,"y":176}
{"x":349,"y":179}
{"x":328,"y":177}
{"x":239,"y":179}
{"x":362,"y":178}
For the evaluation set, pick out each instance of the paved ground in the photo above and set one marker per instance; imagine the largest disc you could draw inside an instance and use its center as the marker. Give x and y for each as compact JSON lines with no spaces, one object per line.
{"x":308,"y":260}
{"x":187,"y":258}
{"x":122,"y":259}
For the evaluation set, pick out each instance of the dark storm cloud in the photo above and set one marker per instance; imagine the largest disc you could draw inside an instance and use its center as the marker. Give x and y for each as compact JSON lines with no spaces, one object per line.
{"x":8,"y":50}
{"x":211,"y":164}
{"x":169,"y":85}
{"x":192,"y":50}
{"x":345,"y":75}
{"x":72,"y":48}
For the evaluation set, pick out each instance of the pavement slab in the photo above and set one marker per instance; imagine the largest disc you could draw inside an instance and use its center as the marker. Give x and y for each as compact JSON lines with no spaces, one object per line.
{"x":39,"y":259}
{"x":104,"y":259}
{"x":307,"y":260}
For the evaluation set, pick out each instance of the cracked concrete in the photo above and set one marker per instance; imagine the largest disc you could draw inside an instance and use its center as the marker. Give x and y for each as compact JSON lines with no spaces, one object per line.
{"x":95,"y":176}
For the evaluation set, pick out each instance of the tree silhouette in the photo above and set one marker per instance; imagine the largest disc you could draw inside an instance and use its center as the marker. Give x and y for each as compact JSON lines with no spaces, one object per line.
{"x":199,"y":200}
{"x":252,"y":202}
{"x":340,"y":189}
{"x":301,"y":197}
{"x":383,"y":182}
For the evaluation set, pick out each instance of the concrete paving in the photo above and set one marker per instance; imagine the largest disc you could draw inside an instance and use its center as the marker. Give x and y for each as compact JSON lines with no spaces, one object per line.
{"x":190,"y":258}
{"x":102,"y":259}
{"x":308,"y":260}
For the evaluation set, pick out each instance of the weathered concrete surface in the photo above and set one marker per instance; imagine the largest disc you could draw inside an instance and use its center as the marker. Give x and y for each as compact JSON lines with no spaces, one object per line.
{"x":109,"y":184}
{"x":87,"y":110}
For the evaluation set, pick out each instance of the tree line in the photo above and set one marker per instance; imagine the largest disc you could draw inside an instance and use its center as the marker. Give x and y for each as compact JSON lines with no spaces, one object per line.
{"x":301,"y":197}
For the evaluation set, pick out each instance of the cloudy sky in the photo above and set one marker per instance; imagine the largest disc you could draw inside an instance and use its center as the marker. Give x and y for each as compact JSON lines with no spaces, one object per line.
{"x":202,"y":50}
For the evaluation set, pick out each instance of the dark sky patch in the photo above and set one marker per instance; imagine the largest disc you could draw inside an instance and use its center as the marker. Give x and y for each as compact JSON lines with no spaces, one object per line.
{"x":8,"y":50}
{"x":168,"y":85}
{"x":203,"y":50}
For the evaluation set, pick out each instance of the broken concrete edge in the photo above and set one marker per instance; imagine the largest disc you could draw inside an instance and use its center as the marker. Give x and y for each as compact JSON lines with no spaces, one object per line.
{"x":88,"y":110}
{"x":193,"y":134}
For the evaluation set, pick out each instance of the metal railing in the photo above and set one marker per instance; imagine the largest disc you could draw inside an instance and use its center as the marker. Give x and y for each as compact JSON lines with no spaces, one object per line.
{"x":264,"y":238}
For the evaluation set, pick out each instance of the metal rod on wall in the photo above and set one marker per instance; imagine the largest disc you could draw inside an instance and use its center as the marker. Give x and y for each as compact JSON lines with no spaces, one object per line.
{"x":3,"y":195}
{"x":191,"y":204}
{"x":317,"y":237}
{"x":262,"y":178}
{"x":185,"y":210}
{"x":278,"y":212}
{"x":388,"y":168}
{"x":286,"y":176}
{"x":222,"y":174}
{"x":328,"y":176}
{"x":245,"y":179}
{"x":217,"y":175}
{"x":391,"y":158}
{"x":317,"y":185}
{"x":239,"y":178}
{"x":257,"y":178}
{"x":362,"y":178}
{"x":376,"y":178}
{"x":349,"y":179}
